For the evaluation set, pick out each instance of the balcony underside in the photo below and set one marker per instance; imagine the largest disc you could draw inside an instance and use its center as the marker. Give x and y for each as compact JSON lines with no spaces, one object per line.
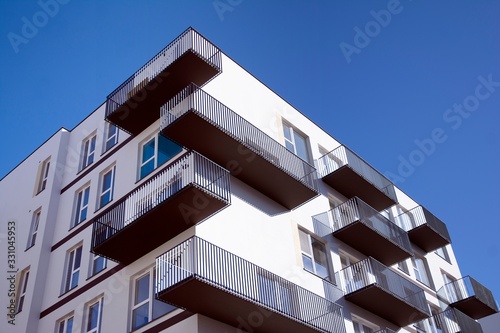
{"x":474,"y":308}
{"x":163,"y":222}
{"x":427,"y":238}
{"x":371,"y":243}
{"x":256,"y":170}
{"x":143,"y":105}
{"x":386,"y":305}
{"x":351,"y":184}
{"x":212,"y":301}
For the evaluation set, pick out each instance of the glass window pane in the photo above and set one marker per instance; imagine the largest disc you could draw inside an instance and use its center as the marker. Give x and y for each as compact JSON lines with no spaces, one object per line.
{"x":304,"y":242}
{"x":301,"y":146}
{"x":160,"y":308}
{"x":142,"y":289}
{"x":289,"y":146}
{"x":147,"y":168}
{"x":140,"y":316}
{"x":69,"y":327}
{"x":148,"y":150}
{"x":286,"y":132}
{"x":308,"y":263}
{"x":93,"y":316}
{"x":166,"y":149}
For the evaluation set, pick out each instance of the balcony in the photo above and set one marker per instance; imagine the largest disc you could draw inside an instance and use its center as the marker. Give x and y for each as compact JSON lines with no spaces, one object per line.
{"x":424,"y":229}
{"x":449,"y":321}
{"x":134,"y":105}
{"x":184,"y":193}
{"x":196,"y":120}
{"x":203,"y":278}
{"x":385,"y":330}
{"x":469,"y":296}
{"x":376,"y":288}
{"x":360,"y":226}
{"x":346,"y":172}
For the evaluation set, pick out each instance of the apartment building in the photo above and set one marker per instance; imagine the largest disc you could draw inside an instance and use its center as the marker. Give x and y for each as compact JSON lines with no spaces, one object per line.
{"x":195,"y":199}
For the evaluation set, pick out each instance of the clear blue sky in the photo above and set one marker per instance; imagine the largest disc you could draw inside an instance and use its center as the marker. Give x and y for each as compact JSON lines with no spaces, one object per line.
{"x":401,"y":79}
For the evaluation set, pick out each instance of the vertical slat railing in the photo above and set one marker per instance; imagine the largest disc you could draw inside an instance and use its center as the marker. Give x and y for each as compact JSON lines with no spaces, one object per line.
{"x":464,"y":288}
{"x":197,"y":258}
{"x":419,"y":216}
{"x":450,"y":321}
{"x":194,"y":99}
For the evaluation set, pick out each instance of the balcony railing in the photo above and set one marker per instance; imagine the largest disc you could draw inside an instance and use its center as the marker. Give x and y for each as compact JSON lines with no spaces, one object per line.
{"x":378,"y":289}
{"x":424,"y":229}
{"x":209,"y":280}
{"x":469,"y":296}
{"x":189,"y":58}
{"x":184,"y":193}
{"x":365,"y":229}
{"x":449,"y":321}
{"x":352,"y":176}
{"x":385,"y":330}
{"x":230,"y":140}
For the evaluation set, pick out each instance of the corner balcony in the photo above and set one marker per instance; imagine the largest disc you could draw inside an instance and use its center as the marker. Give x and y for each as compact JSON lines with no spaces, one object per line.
{"x":362,"y":227}
{"x":346,"y":172}
{"x":134,"y":105}
{"x":449,"y":321}
{"x":469,"y":296}
{"x":376,"y":288}
{"x":181,"y":195}
{"x":196,"y":120}
{"x":424,"y":229}
{"x":206,"y":279}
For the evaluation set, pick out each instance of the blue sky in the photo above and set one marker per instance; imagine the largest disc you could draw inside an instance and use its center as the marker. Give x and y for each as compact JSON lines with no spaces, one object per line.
{"x":411,"y":86}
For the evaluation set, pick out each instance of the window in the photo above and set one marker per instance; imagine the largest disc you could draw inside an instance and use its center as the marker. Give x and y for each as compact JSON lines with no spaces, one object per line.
{"x":111,"y":136}
{"x":88,"y":150}
{"x":145,"y":306}
{"x":35,"y":222}
{"x":82,"y":204}
{"x":314,"y":256}
{"x":65,"y":325}
{"x":155,"y":152}
{"x":94,"y":317}
{"x":403,"y":266}
{"x":295,"y":142}
{"x":73,"y":268}
{"x":23,"y":285}
{"x":98,"y":264}
{"x":362,"y":326}
{"x":449,"y":287}
{"x":107,"y":184}
{"x":421,"y":271}
{"x":443,"y":253}
{"x":44,"y":174}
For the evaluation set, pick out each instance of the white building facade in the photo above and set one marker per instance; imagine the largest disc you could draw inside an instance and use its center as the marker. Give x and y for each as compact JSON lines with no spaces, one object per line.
{"x":195,"y":199}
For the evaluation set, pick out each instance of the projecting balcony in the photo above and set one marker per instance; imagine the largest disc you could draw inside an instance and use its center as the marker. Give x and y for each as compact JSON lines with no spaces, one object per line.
{"x":376,"y":288}
{"x":424,"y":229}
{"x":196,"y":120}
{"x":346,"y":172}
{"x":203,"y":278}
{"x":184,"y":193}
{"x":449,"y":321}
{"x":385,"y":330}
{"x":469,"y":296}
{"x":360,"y":226}
{"x":134,"y":105}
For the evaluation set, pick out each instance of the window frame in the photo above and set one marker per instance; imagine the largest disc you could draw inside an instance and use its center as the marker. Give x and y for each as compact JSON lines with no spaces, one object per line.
{"x":444,"y":255}
{"x":293,"y":132}
{"x":362,"y":324}
{"x":417,"y":271}
{"x":94,"y":258}
{"x":80,"y":206}
{"x":110,"y":138}
{"x":102,"y":191}
{"x":154,"y":158}
{"x":65,"y":323}
{"x":72,"y":272}
{"x":88,"y":319}
{"x":88,"y":151}
{"x":310,"y":255}
{"x":43,"y":176}
{"x":35,"y":224}
{"x":23,"y":287}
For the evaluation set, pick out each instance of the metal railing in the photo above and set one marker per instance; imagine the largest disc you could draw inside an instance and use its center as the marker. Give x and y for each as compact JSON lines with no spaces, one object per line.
{"x":341,"y":156}
{"x":191,"y":168}
{"x":355,"y":210}
{"x":190,"y":39}
{"x":197,"y":258}
{"x":194,"y":99}
{"x":385,"y":330}
{"x":464,"y":288}
{"x":371,"y":272}
{"x":419,"y":216}
{"x":449,"y":321}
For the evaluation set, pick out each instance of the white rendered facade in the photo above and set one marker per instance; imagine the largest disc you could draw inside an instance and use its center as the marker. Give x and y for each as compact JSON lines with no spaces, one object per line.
{"x":68,"y":287}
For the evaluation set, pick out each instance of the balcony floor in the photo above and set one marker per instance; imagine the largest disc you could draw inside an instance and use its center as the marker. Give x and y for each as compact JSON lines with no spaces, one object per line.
{"x":195,"y":132}
{"x":371,"y":243}
{"x":215,"y":302}
{"x":427,"y":238}
{"x":143,"y":108}
{"x":386,"y":305}
{"x":474,"y":308}
{"x":163,"y":222}
{"x":351,"y":184}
